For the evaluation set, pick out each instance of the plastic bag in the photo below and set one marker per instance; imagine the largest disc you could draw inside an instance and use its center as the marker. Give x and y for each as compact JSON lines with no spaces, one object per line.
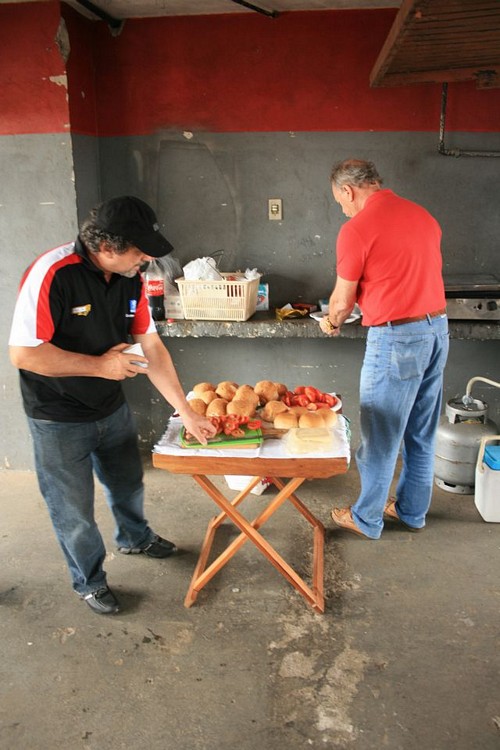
{"x":287,"y":312}
{"x":201,"y":269}
{"x":172,"y":270}
{"x":252,"y":273}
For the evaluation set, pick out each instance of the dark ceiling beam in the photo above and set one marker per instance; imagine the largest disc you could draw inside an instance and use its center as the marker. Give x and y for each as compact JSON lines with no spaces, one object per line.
{"x":251,"y":6}
{"x":115,"y":24}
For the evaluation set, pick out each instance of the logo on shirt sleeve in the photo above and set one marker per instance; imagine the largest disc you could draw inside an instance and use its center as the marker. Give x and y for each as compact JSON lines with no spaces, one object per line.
{"x":82,"y":310}
{"x":132,"y":308}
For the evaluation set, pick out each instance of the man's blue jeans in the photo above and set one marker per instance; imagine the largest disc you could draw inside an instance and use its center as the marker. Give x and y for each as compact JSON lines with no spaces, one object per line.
{"x":400,"y":401}
{"x":66,"y":456}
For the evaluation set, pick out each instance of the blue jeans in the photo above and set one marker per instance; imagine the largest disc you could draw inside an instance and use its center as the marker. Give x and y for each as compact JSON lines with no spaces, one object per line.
{"x":400,"y":401}
{"x":66,"y":456}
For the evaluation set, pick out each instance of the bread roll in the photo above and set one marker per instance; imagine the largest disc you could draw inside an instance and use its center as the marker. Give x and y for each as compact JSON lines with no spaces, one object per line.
{"x":198,"y":405}
{"x":241,"y":407}
{"x":201,"y":387}
{"x":298,"y":410}
{"x":216,"y":408}
{"x":285,"y":421}
{"x":311,"y":419}
{"x":247,"y":393}
{"x":226,"y":389}
{"x":266,"y":391}
{"x":281,"y":388}
{"x":271,"y":409}
{"x":208,"y":396}
{"x":328,"y":416}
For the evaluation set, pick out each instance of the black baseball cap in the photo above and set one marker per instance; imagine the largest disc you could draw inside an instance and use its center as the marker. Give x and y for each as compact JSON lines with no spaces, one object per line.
{"x":134,"y":221}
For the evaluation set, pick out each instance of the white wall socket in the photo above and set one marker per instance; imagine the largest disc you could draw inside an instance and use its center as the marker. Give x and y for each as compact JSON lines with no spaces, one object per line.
{"x":275,"y":209}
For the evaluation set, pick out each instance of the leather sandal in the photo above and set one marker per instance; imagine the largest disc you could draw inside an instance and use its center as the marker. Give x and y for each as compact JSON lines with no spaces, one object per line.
{"x":391,"y":512}
{"x":343,"y":518}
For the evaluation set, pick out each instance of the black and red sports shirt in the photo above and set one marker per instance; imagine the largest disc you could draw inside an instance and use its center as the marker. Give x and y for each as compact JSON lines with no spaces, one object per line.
{"x":64,"y":299}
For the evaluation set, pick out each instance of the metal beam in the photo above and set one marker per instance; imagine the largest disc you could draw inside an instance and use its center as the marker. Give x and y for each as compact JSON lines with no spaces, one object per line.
{"x":251,"y":6}
{"x":115,"y":24}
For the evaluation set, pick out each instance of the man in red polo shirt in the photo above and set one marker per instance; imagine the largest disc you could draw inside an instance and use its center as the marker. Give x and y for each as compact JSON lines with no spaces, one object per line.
{"x":389,"y":262}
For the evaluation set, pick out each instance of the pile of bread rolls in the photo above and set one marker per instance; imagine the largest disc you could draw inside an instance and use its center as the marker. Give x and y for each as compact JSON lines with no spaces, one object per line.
{"x":262,"y":401}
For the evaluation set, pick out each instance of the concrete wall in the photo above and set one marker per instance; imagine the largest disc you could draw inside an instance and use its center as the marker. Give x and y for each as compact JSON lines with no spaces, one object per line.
{"x":211,"y":193}
{"x":37,"y":211}
{"x":206,"y":118}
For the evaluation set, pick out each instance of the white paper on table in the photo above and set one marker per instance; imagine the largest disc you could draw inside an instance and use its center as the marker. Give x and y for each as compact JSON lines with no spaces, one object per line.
{"x":169,"y":444}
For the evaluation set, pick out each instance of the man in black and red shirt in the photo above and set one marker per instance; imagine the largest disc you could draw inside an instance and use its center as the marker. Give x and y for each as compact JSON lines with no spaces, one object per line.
{"x":77,"y":308}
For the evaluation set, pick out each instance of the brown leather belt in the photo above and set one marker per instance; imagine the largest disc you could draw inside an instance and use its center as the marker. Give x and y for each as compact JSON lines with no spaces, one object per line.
{"x":402,"y":321}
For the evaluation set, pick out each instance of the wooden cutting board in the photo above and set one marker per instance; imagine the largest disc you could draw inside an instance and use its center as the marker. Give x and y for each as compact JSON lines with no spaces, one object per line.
{"x":252,"y":439}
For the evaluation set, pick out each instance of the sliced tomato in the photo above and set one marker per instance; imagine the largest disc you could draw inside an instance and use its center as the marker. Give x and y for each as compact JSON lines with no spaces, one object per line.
{"x":302,"y":400}
{"x":299,"y":390}
{"x":254,"y":424}
{"x":322,"y":406}
{"x":238,"y":433}
{"x":330,"y":400}
{"x":311,"y":393}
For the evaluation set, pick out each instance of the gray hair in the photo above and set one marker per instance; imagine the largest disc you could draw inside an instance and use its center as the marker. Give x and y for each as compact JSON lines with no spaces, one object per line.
{"x":92,"y":236}
{"x":355,"y":172}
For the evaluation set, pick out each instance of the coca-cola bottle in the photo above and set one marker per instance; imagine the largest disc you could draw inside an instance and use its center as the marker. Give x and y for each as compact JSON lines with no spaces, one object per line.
{"x":155,"y":290}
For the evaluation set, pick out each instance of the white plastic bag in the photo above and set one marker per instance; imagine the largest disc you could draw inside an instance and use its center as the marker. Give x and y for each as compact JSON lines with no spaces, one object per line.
{"x":252,"y":273}
{"x":201,"y":269}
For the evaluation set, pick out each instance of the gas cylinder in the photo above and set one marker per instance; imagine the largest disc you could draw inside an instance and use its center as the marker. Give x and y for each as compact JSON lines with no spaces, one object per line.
{"x":459,"y":435}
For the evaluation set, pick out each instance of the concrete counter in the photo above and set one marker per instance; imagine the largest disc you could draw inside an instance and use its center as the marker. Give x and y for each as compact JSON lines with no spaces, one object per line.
{"x":264,"y":325}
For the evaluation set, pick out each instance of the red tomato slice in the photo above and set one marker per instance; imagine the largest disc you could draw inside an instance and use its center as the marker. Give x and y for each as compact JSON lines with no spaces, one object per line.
{"x":311,"y":393}
{"x":300,"y":390}
{"x":254,"y":424}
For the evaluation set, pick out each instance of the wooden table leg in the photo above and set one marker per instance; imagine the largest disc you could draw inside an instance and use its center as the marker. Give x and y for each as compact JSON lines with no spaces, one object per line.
{"x":201,"y":575}
{"x":213,"y":525}
{"x":319,"y":541}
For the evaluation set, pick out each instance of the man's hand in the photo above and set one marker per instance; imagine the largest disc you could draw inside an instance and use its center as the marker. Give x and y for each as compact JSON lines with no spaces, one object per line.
{"x":197,"y":425}
{"x":327,"y":327}
{"x":118,"y":365}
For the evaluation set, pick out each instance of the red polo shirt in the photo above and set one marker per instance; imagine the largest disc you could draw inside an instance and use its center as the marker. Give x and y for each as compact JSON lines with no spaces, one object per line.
{"x":392,"y":249}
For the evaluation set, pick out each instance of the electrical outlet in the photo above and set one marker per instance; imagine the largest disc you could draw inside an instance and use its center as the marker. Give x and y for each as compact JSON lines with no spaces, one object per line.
{"x":275,"y":209}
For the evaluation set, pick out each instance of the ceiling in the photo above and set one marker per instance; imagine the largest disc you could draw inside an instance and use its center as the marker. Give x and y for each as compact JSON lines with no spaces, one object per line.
{"x":431,"y":41}
{"x":156,"y":8}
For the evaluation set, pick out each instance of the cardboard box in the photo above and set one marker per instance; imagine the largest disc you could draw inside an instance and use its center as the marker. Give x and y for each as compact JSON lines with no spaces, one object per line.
{"x":239,"y":482}
{"x":173,"y":307}
{"x":263,"y":297}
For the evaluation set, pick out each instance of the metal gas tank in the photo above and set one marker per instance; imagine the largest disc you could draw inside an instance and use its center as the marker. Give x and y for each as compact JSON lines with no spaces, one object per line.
{"x":459,"y":435}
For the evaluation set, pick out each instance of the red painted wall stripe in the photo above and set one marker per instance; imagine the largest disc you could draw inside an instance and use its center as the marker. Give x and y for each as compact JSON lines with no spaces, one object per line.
{"x":230,"y":73}
{"x":33,"y":92}
{"x":301,"y":71}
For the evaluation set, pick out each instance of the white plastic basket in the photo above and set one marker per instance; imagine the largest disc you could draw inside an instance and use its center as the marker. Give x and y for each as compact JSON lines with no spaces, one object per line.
{"x":231,"y":298}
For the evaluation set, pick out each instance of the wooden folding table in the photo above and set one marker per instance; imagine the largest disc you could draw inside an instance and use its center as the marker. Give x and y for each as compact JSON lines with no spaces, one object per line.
{"x":295,"y":471}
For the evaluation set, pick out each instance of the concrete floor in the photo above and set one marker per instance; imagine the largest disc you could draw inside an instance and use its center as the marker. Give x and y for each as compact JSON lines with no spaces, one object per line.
{"x":405,"y":657}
